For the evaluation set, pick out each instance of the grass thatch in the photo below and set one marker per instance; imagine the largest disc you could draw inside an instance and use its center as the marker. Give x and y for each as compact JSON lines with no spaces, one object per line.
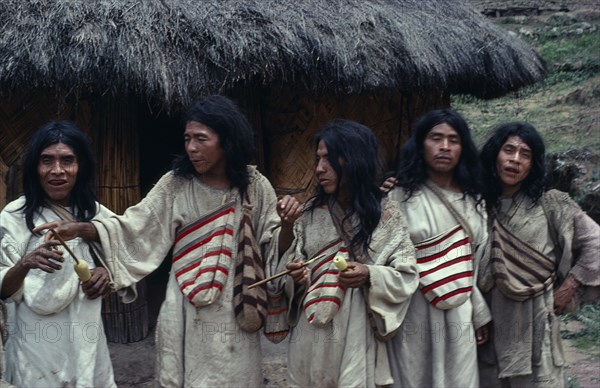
{"x":174,"y":50}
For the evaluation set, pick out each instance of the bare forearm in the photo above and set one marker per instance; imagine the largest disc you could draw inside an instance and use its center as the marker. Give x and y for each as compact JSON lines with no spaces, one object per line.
{"x":286,"y":236}
{"x":87,"y":231}
{"x":13,"y":280}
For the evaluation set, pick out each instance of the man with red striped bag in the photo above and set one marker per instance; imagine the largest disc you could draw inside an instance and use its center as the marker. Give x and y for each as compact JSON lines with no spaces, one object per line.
{"x":339,"y":318}
{"x":221,"y":217}
{"x":437,"y":179}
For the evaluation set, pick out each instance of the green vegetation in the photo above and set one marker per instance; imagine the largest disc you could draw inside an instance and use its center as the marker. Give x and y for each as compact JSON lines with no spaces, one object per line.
{"x":573,"y":382}
{"x":564,"y":106}
{"x":588,"y":337}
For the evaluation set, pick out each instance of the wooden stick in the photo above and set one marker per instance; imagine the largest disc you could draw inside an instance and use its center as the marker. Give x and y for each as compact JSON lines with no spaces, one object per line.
{"x":64,"y":244}
{"x":287,"y":271}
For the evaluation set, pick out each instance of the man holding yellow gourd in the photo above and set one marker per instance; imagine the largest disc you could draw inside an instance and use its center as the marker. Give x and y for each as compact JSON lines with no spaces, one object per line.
{"x":352,"y":269}
{"x":52,"y":291}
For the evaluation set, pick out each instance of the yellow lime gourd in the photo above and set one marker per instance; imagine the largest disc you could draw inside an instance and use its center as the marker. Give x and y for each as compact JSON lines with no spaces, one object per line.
{"x":83,"y":270}
{"x":340,"y":263}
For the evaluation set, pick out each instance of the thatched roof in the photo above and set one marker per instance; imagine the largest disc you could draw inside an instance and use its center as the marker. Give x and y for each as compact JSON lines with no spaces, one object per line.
{"x":174,"y":50}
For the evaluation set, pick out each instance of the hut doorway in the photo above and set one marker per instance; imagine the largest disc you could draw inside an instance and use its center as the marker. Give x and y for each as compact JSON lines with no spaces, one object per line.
{"x":161,"y":139}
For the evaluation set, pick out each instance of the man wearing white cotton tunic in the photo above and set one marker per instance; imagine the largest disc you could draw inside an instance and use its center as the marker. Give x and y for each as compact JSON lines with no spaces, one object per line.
{"x":332,"y":341}
{"x":543,"y":261}
{"x":437,"y":176}
{"x":55,"y":332}
{"x":213,"y":209}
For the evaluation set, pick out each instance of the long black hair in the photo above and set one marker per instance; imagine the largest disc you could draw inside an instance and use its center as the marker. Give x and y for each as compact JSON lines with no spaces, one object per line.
{"x":236,"y":138}
{"x":411,"y":171}
{"x":534,"y":184}
{"x":356,"y":145}
{"x":83,"y":196}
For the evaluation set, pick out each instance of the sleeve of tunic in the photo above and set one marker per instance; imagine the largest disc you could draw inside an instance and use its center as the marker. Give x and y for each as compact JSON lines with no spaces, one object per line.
{"x":578,"y":238}
{"x":284,"y":286}
{"x":136,"y":242}
{"x":481,"y":312}
{"x":586,"y":246}
{"x":266,"y":220}
{"x":393,"y":274}
{"x":14,"y":239}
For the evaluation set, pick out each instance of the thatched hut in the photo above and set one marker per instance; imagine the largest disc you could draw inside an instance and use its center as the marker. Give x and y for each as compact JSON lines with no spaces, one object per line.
{"x":125,"y":69}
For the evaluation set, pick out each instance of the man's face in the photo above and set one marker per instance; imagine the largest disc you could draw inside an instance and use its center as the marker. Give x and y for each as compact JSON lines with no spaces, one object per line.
{"x":328,"y":178}
{"x":442,"y":148}
{"x":57,"y":172}
{"x":513,"y":164}
{"x":203,"y":148}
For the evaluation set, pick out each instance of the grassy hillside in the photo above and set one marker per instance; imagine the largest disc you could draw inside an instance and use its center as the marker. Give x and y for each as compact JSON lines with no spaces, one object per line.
{"x":565,"y":108}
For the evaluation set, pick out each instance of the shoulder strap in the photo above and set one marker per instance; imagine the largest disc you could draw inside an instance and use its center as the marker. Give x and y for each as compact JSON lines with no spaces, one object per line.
{"x":61,"y":212}
{"x":461,"y":220}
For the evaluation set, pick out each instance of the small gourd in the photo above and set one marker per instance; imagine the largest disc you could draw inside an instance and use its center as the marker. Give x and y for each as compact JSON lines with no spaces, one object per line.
{"x":340,"y":263}
{"x":83,"y":270}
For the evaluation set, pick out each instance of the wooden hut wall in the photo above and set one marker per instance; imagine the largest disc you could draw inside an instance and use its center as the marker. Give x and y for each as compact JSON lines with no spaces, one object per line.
{"x":293,"y":118}
{"x":251,"y":101}
{"x":110,"y":122}
{"x":116,"y":142}
{"x":21,"y":114}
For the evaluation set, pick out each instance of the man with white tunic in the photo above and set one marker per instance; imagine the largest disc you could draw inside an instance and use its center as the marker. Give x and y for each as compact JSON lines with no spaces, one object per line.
{"x":340,"y":318}
{"x":55,"y":337}
{"x":437,"y":181}
{"x":216,"y":211}
{"x":544,"y":250}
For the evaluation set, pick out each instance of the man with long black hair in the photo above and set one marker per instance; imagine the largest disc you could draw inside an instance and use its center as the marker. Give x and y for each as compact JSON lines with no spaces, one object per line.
{"x":221,"y":217}
{"x":438,"y":189}
{"x":544,"y":248}
{"x":339,"y":318}
{"x":56,"y":336}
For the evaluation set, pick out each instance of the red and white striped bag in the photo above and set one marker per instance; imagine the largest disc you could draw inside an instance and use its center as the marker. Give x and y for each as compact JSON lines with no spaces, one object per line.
{"x":445,"y":266}
{"x":325,"y":294}
{"x":202,"y":255}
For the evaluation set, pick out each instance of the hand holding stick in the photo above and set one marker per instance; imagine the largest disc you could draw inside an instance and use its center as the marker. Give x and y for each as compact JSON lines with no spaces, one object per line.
{"x":81,"y":266}
{"x":287,"y":271}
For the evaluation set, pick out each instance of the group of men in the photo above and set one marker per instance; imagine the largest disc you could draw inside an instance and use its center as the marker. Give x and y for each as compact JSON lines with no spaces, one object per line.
{"x":455,"y":268}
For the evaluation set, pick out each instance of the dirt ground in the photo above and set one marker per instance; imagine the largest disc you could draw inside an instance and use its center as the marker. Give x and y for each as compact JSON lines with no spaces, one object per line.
{"x":134,"y":363}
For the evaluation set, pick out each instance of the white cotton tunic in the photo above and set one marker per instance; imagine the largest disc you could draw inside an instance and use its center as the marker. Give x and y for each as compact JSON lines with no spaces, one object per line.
{"x":196,"y":347}
{"x":56,"y":337}
{"x":345,"y":352}
{"x":435,"y":347}
{"x":527,"y":347}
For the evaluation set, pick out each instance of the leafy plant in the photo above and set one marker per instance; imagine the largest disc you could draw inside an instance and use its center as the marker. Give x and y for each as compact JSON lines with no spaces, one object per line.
{"x":588,"y":337}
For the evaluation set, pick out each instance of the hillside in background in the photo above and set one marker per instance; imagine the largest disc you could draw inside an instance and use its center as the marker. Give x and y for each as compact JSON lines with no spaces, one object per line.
{"x":565,"y":108}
